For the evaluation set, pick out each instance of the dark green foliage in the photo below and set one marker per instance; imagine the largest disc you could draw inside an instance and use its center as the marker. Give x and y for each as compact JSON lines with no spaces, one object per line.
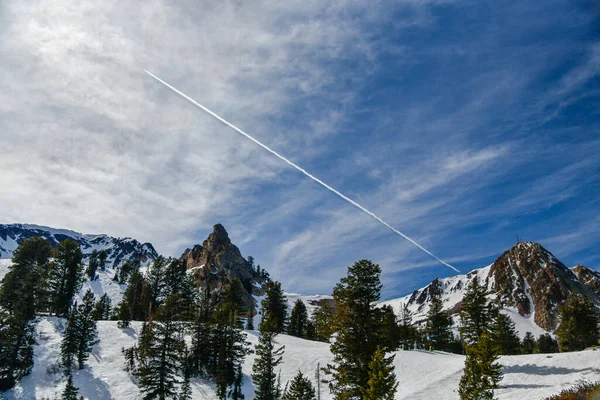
{"x":102,"y":255}
{"x":69,"y":343}
{"x":546,"y":344}
{"x":70,"y":392}
{"x":274,"y":309}
{"x":477,"y":313}
{"x":156,"y":281}
{"x":102,"y":310}
{"x":236,"y":393}
{"x":300,"y":388}
{"x":65,"y":276}
{"x":528,"y":344}
{"x":581,"y":391}
{"x":407,"y":331}
{"x":439,"y":324}
{"x":126,"y":270}
{"x":389,"y":329}
{"x":80,"y":335}
{"x":504,"y":336}
{"x":298,"y":320}
{"x":310,"y":333}
{"x":578,"y":327}
{"x":268,"y":358}
{"x":482,"y":372}
{"x":356,"y":325}
{"x":382,"y":383}
{"x":136,"y":302}
{"x":250,"y":317}
{"x":174,"y":276}
{"x":323,"y":321}
{"x":92,"y":265}
{"x":16,"y":349}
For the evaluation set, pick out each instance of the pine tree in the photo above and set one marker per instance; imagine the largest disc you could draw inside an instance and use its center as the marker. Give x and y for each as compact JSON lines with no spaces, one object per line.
{"x":236,"y":393}
{"x":103,"y":308}
{"x":70,"y":342}
{"x":300,"y":388}
{"x":250,"y":317}
{"x":16,"y":349}
{"x":382,"y":383}
{"x":86,"y":326}
{"x":477,"y":313}
{"x":70,"y":392}
{"x":268,"y":358}
{"x":504,"y":336}
{"x":529,"y":343}
{"x":65,"y":276}
{"x":356,"y":327}
{"x":298,"y":320}
{"x":546,"y":344}
{"x":92,"y":265}
{"x":407,"y":330}
{"x":186,"y":389}
{"x":389,"y":329}
{"x":156,"y":275}
{"x":482,"y":373}
{"x":274,"y":307}
{"x":323,"y":321}
{"x":135,"y":304}
{"x":578,"y":327}
{"x":439,"y":324}
{"x":175,"y":274}
{"x":102,"y":255}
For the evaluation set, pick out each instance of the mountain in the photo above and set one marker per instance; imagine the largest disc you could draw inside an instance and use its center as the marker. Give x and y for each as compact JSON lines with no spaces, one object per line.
{"x":119,"y":250}
{"x":527,"y":280}
{"x":217,"y":261}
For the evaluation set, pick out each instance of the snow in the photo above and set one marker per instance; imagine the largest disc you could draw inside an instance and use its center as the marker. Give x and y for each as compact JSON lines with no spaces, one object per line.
{"x":310,"y":301}
{"x":421,"y":374}
{"x":4,"y":264}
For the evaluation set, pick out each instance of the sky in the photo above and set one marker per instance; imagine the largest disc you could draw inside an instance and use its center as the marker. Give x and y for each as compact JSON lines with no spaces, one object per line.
{"x":464,"y":124}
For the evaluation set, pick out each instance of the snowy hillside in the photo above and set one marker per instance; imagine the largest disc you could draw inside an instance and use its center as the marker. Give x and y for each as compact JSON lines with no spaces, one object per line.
{"x":119,"y":250}
{"x":421,"y":374}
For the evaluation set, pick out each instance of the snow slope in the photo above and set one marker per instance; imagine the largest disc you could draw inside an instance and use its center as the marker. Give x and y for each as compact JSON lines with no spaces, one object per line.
{"x":421,"y":374}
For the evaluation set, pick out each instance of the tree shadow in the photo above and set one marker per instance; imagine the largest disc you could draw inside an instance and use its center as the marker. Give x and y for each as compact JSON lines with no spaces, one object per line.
{"x":90,"y":386}
{"x":523,"y":386}
{"x":542,"y":370}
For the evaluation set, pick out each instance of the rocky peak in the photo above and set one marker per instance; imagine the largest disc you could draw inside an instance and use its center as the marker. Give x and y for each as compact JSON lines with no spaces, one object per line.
{"x":218,"y":239}
{"x":588,"y":277}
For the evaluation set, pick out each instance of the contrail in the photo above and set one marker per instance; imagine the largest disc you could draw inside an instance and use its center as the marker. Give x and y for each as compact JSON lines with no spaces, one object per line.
{"x":314,"y":178}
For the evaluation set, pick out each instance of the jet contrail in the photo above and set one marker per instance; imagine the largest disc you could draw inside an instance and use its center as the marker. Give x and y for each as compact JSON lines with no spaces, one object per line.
{"x":314,"y":178}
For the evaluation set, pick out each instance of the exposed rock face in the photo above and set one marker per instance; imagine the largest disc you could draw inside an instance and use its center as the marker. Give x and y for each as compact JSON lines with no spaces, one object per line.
{"x":118,"y":250}
{"x":527,"y":277}
{"x":217,"y":261}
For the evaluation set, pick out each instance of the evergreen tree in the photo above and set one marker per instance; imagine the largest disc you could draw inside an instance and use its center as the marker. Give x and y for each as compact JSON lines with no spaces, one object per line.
{"x":103,"y":308}
{"x":389,"y":329}
{"x":482,"y":373}
{"x":528,"y":343}
{"x":477,"y":313}
{"x":310,"y":333}
{"x":135,"y":304}
{"x":102,"y":255}
{"x":323,"y":321}
{"x":156,"y":281}
{"x":16,"y":349}
{"x":356,"y":326}
{"x":300,"y":388}
{"x":382,"y":383}
{"x":439,"y":324}
{"x":70,"y":392}
{"x":70,"y":342}
{"x":186,"y":389}
{"x":250,"y":318}
{"x":268,"y":357}
{"x":236,"y":393}
{"x":274,"y":307}
{"x":87,"y":335}
{"x":175,"y":274}
{"x":65,"y":276}
{"x":546,"y":344}
{"x":578,"y":327}
{"x":92,"y":265}
{"x":407,"y":330}
{"x":504,"y":336}
{"x":298,"y":320}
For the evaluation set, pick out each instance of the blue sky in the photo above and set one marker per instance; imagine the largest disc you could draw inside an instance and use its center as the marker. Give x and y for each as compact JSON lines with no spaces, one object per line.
{"x":464,"y":124}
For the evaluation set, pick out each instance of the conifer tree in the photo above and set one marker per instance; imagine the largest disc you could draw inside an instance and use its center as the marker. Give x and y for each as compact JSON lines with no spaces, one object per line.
{"x":407,"y":329}
{"x":356,"y":326}
{"x":482,"y":373}
{"x":382,"y":383}
{"x":86,"y":327}
{"x":186,"y":389}
{"x":300,"y":388}
{"x":175,"y":274}
{"x":389,"y":329}
{"x":298,"y":320}
{"x":323,"y":321}
{"x":16,"y":349}
{"x":92,"y":265}
{"x":439,"y":324}
{"x":250,"y":318}
{"x":274,"y":307}
{"x":477,"y":313}
{"x":504,"y":336}
{"x":65,"y":276}
{"x":546,"y":344}
{"x":69,"y":343}
{"x":528,"y":343}
{"x":268,"y":358}
{"x":578,"y":327}
{"x":70,"y":392}
{"x":135,"y":304}
{"x":103,"y":308}
{"x":236,"y":393}
{"x":156,"y":281}
{"x":102,"y":255}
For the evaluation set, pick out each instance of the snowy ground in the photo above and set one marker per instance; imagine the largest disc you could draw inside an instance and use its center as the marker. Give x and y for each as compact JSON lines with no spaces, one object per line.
{"x":421,"y":375}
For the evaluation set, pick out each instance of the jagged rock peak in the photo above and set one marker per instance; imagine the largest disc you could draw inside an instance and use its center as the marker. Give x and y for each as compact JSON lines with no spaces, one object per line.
{"x":217,"y":239}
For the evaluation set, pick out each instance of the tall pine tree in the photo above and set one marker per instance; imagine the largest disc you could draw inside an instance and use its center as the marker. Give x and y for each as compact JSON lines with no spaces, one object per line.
{"x":65,"y":276}
{"x":382,"y":383}
{"x":477,"y":313}
{"x":482,"y":373}
{"x":274,"y":307}
{"x":578,"y":327}
{"x":504,"y":336}
{"x":268,"y":358}
{"x":298,"y":320}
{"x":439,"y":324}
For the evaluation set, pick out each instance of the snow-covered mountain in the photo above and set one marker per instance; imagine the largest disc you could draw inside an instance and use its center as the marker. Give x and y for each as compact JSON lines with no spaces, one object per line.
{"x":527,"y":280}
{"x":118,"y":250}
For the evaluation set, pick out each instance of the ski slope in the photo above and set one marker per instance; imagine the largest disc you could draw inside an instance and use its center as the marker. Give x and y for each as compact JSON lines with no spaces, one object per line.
{"x":421,"y":374}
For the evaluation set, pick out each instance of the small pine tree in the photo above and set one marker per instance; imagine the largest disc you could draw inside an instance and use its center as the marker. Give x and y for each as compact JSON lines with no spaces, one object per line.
{"x":382,"y":383}
{"x":546,"y":344}
{"x":70,"y":392}
{"x":300,"y":388}
{"x":476,"y":313}
{"x":65,"y":276}
{"x":250,"y":317}
{"x":439,"y":324}
{"x":69,"y":343}
{"x":578,"y":327}
{"x":323,"y":321}
{"x":529,"y":343}
{"x":298,"y":319}
{"x":389,"y":329}
{"x":268,"y":357}
{"x":407,"y":329}
{"x":102,"y":256}
{"x":504,"y":336}
{"x":103,"y":308}
{"x":87,"y":335}
{"x":482,"y":373}
{"x":92,"y":266}
{"x":274,"y":307}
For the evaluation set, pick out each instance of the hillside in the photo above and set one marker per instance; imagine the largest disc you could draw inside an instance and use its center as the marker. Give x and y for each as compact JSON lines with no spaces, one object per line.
{"x":421,"y":375}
